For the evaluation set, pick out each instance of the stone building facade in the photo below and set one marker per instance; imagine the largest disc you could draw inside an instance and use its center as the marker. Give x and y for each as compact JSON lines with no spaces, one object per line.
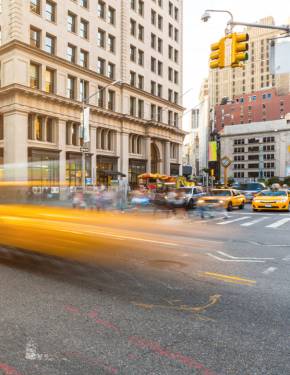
{"x":54,"y":54}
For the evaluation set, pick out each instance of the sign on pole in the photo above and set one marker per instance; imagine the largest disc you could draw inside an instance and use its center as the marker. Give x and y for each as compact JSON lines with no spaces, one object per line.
{"x":279,"y":56}
{"x":86,"y":125}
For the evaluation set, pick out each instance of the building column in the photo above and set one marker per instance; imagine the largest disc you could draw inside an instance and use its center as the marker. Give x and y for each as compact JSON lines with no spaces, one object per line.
{"x":180,"y":159}
{"x":61,"y":139}
{"x":148,"y":154}
{"x":167,"y":158}
{"x":15,"y":146}
{"x":93,"y":152}
{"x":124,"y":154}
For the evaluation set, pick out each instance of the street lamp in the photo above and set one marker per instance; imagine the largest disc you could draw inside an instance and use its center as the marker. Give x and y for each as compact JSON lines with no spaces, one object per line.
{"x":86,"y":125}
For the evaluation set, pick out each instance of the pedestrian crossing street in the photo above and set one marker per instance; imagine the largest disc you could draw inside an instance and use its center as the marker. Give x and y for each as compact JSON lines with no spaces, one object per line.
{"x":250,"y":220}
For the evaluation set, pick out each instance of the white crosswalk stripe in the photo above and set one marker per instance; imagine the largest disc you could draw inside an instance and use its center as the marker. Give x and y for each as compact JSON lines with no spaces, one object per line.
{"x":278,"y":223}
{"x":267,"y":221}
{"x":233,"y":221}
{"x":250,"y":223}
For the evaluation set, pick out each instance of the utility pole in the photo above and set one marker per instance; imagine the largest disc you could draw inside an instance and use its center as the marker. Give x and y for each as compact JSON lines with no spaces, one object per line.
{"x":85,"y":128}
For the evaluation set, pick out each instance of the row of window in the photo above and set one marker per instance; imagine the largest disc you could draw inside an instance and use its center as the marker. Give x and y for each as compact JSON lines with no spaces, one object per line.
{"x":269,"y":165}
{"x":71,"y":86}
{"x":50,"y":12}
{"x":254,"y":149}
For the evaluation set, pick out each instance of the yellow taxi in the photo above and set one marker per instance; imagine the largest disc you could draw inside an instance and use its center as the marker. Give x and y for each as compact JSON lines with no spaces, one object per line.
{"x":276,"y":200}
{"x":227,"y":198}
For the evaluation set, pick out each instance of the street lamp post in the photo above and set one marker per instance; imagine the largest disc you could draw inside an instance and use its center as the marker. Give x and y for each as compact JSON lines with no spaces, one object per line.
{"x":85,"y":127}
{"x":231,"y":23}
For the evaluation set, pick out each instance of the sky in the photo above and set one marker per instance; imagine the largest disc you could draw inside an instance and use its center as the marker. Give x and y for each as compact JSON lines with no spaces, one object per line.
{"x":198,"y":36}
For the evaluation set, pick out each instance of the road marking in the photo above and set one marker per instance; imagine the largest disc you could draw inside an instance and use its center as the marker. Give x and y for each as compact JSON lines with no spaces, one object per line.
{"x":287,"y":258}
{"x":177,"y":307}
{"x":235,"y":260}
{"x":278,"y":223}
{"x":249,"y":223}
{"x":232,"y":257}
{"x":233,"y":221}
{"x":229,"y":279}
{"x":269,"y":270}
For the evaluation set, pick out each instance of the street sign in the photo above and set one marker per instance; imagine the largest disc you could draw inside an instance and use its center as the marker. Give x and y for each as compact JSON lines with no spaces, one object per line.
{"x":84,"y":149}
{"x":226,"y":161}
{"x":89,"y":181}
{"x":86,"y":125}
{"x":279,"y":56}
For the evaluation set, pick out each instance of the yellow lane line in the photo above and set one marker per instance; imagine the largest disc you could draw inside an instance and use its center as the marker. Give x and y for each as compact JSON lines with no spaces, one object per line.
{"x":229,"y":279}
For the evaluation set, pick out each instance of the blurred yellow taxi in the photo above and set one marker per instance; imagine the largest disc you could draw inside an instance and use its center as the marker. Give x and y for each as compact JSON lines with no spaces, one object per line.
{"x":227,"y":198}
{"x":276,"y":200}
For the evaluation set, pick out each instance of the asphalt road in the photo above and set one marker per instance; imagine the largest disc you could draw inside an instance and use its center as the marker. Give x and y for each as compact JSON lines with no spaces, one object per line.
{"x":208,"y":297}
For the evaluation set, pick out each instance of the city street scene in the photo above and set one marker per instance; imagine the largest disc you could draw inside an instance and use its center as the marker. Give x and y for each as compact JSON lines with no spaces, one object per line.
{"x":144,"y":187}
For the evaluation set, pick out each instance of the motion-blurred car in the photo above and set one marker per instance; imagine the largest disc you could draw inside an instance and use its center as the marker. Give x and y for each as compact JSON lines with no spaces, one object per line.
{"x":250,"y":189}
{"x":192,"y":194}
{"x":276,"y":200}
{"x":227,"y":198}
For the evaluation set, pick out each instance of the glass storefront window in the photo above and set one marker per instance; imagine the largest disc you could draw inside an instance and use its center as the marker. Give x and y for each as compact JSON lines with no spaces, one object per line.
{"x":43,"y":168}
{"x":74,"y":168}
{"x":136,"y":167}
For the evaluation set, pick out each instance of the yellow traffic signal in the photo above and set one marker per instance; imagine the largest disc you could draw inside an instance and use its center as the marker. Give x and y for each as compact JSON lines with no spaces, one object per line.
{"x":239,"y":48}
{"x":217,"y":56}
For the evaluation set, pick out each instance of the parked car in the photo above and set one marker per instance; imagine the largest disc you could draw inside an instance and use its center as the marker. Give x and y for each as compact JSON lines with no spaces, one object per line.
{"x":250,"y":189}
{"x":192,"y":194}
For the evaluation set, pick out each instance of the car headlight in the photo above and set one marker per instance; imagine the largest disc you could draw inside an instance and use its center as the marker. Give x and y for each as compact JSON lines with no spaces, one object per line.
{"x":221,"y":201}
{"x":284,"y":200}
{"x":201,"y":201}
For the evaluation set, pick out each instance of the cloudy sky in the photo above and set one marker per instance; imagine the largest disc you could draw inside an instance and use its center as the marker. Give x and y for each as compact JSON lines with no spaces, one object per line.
{"x":199,"y":35}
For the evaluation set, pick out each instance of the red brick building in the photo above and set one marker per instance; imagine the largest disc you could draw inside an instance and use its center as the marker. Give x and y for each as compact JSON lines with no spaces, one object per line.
{"x":264,"y":105}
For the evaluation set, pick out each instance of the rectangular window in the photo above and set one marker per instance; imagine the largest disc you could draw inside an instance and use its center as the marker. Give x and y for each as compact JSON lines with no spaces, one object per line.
{"x":84,"y":57}
{"x":49,"y":80}
{"x":71,"y":83}
{"x":153,"y":112}
{"x":101,"y":66}
{"x":159,"y":90}
{"x":101,"y":9}
{"x":35,"y":6}
{"x":153,"y":88}
{"x":175,"y":77}
{"x":176,"y":34}
{"x":153,"y":41}
{"x":50,"y":11}
{"x":111,"y":100}
{"x":153,"y":64}
{"x":71,"y":22}
{"x":84,"y":89}
{"x":170,"y":116}
{"x":132,"y":27}
{"x":140,"y":57}
{"x":34,"y":76}
{"x":140,"y":82}
{"x":71,"y":53}
{"x":140,"y":108}
{"x":159,"y":114}
{"x":141,"y":33}
{"x":111,"y":43}
{"x":111,"y":70}
{"x":111,"y":16}
{"x":50,"y":44}
{"x":101,"y":35}
{"x":160,"y":45}
{"x":153,"y":17}
{"x":84,"y":28}
{"x":132,"y":78}
{"x":133,"y":4}
{"x":170,"y":52}
{"x":101,"y":96}
{"x":175,"y":121}
{"x":132,"y":53}
{"x":84,"y":3}
{"x":141,"y":7}
{"x":35,"y":37}
{"x":132,"y":106}
{"x":160,"y":68}
{"x":160,"y":22}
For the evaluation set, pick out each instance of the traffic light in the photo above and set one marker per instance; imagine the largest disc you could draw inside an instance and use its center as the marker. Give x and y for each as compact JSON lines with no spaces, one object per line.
{"x":239,"y":49}
{"x":217,"y":56}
